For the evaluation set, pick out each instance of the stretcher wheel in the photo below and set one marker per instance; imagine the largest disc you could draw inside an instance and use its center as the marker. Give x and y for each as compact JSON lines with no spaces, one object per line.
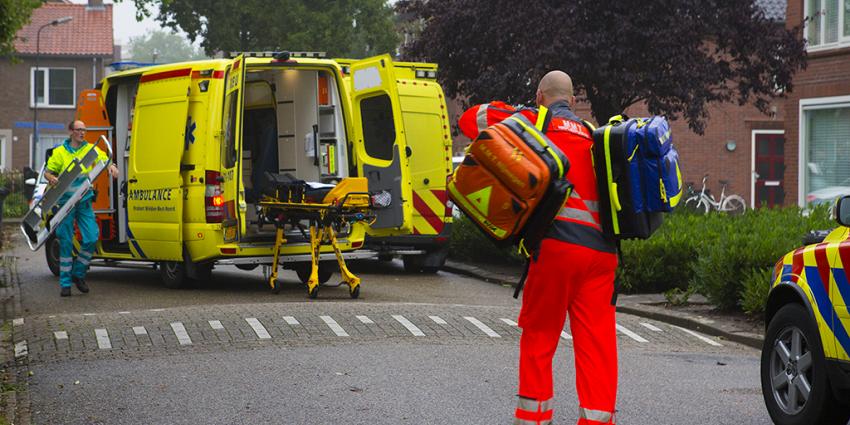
{"x":51,"y":253}
{"x":354,"y":292}
{"x":303,"y":272}
{"x":313,"y":292}
{"x":275,"y":286}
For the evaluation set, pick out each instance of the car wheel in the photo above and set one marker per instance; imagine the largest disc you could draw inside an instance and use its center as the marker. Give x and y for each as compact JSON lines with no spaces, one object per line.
{"x":51,"y":254}
{"x":794,"y":380}
{"x":173,"y":274}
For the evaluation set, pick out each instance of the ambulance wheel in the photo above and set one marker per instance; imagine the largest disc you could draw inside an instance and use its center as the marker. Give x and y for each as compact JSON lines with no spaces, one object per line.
{"x":51,"y":253}
{"x":173,"y":274}
{"x":313,"y":293}
{"x":247,"y":267}
{"x":303,"y":272}
{"x":354,"y":292}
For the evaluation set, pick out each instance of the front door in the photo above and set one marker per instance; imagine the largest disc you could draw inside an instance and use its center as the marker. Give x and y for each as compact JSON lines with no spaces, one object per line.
{"x":380,"y":146}
{"x":770,"y":169}
{"x":154,"y":189}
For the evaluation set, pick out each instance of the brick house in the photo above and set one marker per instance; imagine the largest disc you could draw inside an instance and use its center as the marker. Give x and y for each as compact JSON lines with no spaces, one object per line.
{"x":818,"y":110}
{"x":71,"y":59}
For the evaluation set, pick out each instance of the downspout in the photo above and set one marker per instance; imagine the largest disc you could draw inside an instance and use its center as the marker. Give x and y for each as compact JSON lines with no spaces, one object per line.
{"x":94,"y":71}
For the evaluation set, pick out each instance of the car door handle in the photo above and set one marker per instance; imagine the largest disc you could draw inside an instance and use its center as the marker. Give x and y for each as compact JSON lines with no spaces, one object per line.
{"x":132,"y":181}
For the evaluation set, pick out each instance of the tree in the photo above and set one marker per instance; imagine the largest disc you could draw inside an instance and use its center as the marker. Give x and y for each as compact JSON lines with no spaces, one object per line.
{"x":167,"y":46}
{"x":352,"y":28}
{"x":14,"y":14}
{"x":677,"y":56}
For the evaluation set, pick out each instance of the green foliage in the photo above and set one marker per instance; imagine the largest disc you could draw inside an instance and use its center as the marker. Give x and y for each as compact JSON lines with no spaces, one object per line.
{"x":756,"y":286}
{"x":342,"y":28}
{"x":168,"y":47}
{"x":469,"y":243}
{"x":15,"y":204}
{"x":14,"y":14}
{"x":677,"y":296}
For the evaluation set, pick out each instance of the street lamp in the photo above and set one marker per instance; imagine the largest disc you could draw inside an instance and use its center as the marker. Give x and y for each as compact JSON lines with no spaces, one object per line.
{"x":35,"y":91}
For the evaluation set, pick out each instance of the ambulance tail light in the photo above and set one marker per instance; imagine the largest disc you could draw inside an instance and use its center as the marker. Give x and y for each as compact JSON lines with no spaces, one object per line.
{"x":213,"y":201}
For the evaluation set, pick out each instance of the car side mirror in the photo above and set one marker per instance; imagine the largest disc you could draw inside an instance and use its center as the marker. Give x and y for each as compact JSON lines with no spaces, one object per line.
{"x":842,"y":211}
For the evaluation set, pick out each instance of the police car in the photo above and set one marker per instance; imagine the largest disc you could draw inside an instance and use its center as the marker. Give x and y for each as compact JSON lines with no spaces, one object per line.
{"x":805,"y":362}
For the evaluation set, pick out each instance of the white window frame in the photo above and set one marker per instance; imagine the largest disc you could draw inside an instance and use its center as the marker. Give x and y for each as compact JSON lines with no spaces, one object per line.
{"x":46,"y":88}
{"x":842,"y":41}
{"x":815,"y":103}
{"x":753,"y":162}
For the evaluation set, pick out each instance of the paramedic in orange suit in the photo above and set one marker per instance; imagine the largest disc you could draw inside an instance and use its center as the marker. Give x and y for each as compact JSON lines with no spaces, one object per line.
{"x":571,"y":272}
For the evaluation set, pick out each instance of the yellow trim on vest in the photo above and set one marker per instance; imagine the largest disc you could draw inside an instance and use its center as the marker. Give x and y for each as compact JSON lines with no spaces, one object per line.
{"x":541,"y":118}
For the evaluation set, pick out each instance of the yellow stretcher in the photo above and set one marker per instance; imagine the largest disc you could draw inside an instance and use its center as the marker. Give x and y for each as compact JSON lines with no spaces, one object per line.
{"x":346,"y":203}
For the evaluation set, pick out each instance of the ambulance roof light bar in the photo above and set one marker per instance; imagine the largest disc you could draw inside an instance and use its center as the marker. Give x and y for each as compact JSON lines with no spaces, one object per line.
{"x":425,"y":73}
{"x":280,"y":55}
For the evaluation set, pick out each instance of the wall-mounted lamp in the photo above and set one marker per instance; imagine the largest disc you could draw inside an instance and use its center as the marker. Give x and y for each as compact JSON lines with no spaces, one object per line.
{"x":731,"y":146}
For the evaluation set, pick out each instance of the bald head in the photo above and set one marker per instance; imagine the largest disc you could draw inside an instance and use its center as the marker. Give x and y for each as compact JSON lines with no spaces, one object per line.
{"x":555,"y":86}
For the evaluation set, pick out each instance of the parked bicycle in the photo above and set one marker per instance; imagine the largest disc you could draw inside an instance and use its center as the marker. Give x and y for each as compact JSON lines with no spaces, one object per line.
{"x":705,"y":202}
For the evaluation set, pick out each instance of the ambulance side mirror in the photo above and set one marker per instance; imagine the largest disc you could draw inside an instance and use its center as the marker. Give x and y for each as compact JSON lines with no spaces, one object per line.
{"x":842,"y":211}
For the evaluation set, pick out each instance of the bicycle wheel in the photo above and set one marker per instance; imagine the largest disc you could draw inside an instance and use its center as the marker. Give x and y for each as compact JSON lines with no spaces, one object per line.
{"x":696,"y":204}
{"x":733,"y":205}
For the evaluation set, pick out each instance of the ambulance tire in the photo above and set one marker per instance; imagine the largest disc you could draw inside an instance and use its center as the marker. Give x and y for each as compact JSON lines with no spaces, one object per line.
{"x":51,"y":253}
{"x":303,"y":272}
{"x":429,"y":263}
{"x":203,"y":274}
{"x":793,"y":323}
{"x":247,"y":267}
{"x":173,"y":274}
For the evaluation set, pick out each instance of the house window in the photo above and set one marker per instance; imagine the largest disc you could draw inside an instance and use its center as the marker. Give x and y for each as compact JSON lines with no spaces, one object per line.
{"x":45,"y":142}
{"x":825,"y":142}
{"x":56,"y":87}
{"x":3,"y":165}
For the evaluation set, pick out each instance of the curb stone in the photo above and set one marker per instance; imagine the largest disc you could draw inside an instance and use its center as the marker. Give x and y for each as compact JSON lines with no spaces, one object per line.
{"x":14,"y":399}
{"x":625,"y":305}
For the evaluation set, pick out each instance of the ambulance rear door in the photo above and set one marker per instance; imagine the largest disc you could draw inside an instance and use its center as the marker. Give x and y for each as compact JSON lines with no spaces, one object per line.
{"x":154,"y":192}
{"x":230,"y":178}
{"x":379,"y":139}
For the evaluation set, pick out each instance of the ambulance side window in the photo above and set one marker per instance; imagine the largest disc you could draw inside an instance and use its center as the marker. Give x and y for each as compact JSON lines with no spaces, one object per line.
{"x":378,"y":126}
{"x":228,"y":152}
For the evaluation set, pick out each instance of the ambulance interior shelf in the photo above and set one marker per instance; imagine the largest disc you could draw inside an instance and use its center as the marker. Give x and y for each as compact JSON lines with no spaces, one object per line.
{"x":327,"y":208}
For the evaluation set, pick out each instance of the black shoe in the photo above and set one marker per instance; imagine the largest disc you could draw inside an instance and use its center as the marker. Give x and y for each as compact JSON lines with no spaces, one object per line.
{"x":81,"y":285}
{"x":66,"y":291}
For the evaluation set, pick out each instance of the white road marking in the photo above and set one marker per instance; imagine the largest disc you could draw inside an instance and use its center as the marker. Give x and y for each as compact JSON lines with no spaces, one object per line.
{"x":509,"y":322}
{"x":18,"y":322}
{"x":484,"y":328}
{"x":103,"y":341}
{"x":290,"y":320}
{"x":180,"y":332}
{"x":651,"y":327}
{"x":140,"y":330}
{"x":216,"y":324}
{"x":410,"y":326}
{"x":630,"y":334}
{"x":157,"y":309}
{"x":21,"y":349}
{"x":123,"y":312}
{"x":258,"y":328}
{"x":702,"y":337}
{"x":365,"y":320}
{"x":335,"y":327}
{"x":438,"y":320}
{"x":89,"y":314}
{"x":60,"y":335}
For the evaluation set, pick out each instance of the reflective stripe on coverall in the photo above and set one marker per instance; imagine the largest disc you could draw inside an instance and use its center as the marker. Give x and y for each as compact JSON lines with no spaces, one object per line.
{"x":572,"y":272}
{"x":82,"y":213}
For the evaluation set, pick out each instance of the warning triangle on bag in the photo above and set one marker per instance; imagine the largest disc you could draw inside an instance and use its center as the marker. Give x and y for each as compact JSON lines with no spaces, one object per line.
{"x":481,"y":199}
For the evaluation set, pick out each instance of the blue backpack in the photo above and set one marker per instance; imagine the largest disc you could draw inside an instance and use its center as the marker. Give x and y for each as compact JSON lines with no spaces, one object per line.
{"x":637,"y":173}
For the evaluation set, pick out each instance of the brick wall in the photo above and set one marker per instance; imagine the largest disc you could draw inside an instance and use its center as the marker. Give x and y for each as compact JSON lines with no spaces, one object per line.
{"x":15,"y":85}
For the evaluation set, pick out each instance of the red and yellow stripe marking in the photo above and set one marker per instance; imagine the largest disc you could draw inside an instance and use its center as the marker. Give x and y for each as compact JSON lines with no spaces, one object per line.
{"x":429,"y":216}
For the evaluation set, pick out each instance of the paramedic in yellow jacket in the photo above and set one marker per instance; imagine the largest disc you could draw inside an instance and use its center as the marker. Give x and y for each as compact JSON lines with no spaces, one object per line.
{"x":74,"y":270}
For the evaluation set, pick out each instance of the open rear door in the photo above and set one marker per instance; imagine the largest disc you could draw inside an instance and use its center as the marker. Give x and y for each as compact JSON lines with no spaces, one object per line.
{"x":154,"y":192}
{"x":379,"y":139}
{"x":231,"y":151}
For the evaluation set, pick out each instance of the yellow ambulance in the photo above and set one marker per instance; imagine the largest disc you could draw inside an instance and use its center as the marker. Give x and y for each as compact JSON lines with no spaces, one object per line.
{"x":195,"y":142}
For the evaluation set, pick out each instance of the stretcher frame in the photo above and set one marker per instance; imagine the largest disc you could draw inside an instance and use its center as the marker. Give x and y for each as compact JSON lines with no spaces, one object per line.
{"x":43,"y":218}
{"x":323,"y":217}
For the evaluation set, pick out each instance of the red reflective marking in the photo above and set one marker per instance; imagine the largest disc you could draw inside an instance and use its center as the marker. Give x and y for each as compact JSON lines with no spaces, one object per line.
{"x":822,"y":262}
{"x":167,"y":74}
{"x":236,"y":64}
{"x":218,"y":75}
{"x":797,"y":265}
{"x":427,"y":214}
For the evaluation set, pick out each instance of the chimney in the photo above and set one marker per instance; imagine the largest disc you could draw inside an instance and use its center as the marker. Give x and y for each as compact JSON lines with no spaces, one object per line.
{"x":95,"y":4}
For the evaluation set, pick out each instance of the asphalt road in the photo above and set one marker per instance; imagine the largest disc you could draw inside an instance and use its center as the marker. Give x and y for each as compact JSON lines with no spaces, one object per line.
{"x":417,"y":349}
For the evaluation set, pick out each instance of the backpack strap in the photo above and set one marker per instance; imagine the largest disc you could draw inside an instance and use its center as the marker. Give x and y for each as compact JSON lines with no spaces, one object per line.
{"x":544,"y":117}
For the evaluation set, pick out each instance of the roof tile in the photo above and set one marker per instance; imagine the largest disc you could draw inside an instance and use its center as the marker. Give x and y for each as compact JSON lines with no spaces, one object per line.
{"x":88,"y":34}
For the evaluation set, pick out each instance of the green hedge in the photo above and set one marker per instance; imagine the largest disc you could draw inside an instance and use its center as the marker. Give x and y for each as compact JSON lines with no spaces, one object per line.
{"x":728,"y":259}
